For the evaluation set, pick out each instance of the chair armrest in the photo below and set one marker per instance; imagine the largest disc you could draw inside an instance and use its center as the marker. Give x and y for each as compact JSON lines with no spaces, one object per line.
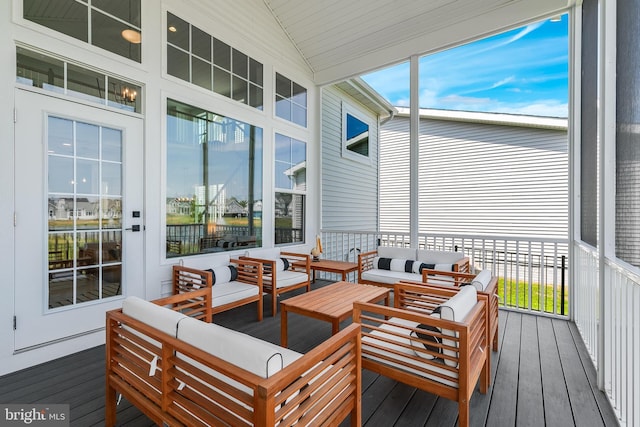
{"x":324,"y":382}
{"x":462,"y":265}
{"x":194,"y":303}
{"x":249,"y":272}
{"x":451,"y":278}
{"x":298,"y":262}
{"x":365,"y":261}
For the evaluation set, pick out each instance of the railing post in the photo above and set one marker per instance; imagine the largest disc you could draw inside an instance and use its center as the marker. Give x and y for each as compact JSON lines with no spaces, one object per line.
{"x":562,"y":267}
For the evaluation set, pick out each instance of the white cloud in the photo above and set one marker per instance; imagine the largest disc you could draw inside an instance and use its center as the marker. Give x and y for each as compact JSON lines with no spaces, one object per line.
{"x":503,"y":82}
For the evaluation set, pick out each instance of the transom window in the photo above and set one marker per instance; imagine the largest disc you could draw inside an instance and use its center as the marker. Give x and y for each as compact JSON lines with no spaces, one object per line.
{"x":111,"y":25}
{"x":291,"y":187}
{"x":49,"y":73}
{"x":196,"y":57}
{"x":291,"y":101}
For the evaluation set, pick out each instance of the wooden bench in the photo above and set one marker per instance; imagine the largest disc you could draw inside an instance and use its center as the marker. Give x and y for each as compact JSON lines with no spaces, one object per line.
{"x":448,"y":359}
{"x":388,"y":265}
{"x":161,"y":362}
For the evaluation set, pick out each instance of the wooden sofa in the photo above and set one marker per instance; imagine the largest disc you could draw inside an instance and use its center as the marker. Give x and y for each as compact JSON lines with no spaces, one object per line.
{"x":282,"y":271}
{"x":388,"y":265}
{"x":448,"y":358}
{"x":485,"y":283}
{"x":245,"y":288}
{"x":183,"y":371}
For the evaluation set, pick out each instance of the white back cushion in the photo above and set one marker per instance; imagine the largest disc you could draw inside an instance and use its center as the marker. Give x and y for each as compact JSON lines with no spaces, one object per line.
{"x":257,"y":356}
{"x":456,"y":309}
{"x":220,"y":260}
{"x":264,"y":253}
{"x":481,"y":281}
{"x":161,"y":318}
{"x":438,"y":257}
{"x":390,"y":252}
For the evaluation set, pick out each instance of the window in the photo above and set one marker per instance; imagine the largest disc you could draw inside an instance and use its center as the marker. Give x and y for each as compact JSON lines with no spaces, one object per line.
{"x":85,"y":212}
{"x":291,"y":186}
{"x":627,"y":138}
{"x":110,"y":25}
{"x":39,"y":70}
{"x":196,"y":57}
{"x":589,"y":126}
{"x":214,"y":182}
{"x":291,"y":101}
{"x":355,"y":134}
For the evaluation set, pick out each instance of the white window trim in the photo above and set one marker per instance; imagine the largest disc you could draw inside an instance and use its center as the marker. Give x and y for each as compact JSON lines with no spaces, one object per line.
{"x":347,"y":108}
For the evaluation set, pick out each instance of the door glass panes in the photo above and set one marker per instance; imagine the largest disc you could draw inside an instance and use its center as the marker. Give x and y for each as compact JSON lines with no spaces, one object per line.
{"x":115,"y":25}
{"x":84,"y":212}
{"x":196,"y":57}
{"x":214,"y":182}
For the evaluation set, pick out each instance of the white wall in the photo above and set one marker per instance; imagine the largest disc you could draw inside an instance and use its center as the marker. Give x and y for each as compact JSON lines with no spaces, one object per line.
{"x":476,"y":178}
{"x":349,"y":187}
{"x":247,"y":26}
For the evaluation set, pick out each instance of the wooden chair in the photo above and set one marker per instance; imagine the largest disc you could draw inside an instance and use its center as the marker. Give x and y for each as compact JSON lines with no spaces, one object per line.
{"x":283,"y":271}
{"x":411,"y":344}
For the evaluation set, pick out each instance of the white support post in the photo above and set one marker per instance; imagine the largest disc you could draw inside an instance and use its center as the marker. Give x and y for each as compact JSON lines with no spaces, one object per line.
{"x":414,"y":150}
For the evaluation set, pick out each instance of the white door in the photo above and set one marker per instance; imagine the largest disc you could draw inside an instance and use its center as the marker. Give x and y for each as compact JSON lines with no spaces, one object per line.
{"x":78,"y":201}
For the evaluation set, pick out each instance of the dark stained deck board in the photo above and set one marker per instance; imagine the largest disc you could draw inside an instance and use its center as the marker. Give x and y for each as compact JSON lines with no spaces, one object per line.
{"x":608,"y":415}
{"x":583,"y":402}
{"x":502,"y":411}
{"x":558,"y":409}
{"x":530,"y":406}
{"x":540,"y":360}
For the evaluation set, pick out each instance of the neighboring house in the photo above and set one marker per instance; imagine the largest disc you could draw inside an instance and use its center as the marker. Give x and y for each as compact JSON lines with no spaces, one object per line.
{"x":350,"y":171}
{"x":479,"y":173}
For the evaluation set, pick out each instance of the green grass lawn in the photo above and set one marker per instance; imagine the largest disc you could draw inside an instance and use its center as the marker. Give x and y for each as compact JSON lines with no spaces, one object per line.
{"x":517,"y":295}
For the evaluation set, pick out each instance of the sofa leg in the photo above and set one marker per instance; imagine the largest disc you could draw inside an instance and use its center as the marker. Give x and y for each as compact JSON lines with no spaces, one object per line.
{"x":110,"y":407}
{"x":274,"y":304}
{"x":463,"y":410}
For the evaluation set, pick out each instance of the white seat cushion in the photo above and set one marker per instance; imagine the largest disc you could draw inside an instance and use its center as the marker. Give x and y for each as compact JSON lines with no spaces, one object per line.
{"x":224,"y":293}
{"x":389,"y":277}
{"x":289,"y":278}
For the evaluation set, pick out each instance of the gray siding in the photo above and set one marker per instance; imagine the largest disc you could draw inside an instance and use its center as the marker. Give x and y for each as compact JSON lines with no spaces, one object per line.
{"x":349,"y":188}
{"x":477,"y":178}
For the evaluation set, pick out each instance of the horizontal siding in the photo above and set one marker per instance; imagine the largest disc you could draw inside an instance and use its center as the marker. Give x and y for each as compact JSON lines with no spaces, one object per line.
{"x":349,"y":188}
{"x":394,"y":176}
{"x":477,"y":178}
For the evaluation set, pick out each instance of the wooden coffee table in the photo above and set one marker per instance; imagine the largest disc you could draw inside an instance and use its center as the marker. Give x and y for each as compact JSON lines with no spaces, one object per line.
{"x":332,"y":266}
{"x":332,"y":303}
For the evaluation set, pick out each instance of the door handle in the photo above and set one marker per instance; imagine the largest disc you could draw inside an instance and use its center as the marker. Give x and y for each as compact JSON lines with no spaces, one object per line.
{"x":134,"y":228}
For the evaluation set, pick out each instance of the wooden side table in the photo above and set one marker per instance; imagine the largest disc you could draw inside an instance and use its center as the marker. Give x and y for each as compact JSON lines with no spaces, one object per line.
{"x":331,"y":266}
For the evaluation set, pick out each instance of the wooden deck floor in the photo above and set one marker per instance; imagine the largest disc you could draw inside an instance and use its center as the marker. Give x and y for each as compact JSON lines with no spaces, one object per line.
{"x":542,"y":376}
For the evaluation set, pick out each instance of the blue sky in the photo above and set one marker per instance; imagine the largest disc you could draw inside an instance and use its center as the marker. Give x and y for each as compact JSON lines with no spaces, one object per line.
{"x":522,"y":71}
